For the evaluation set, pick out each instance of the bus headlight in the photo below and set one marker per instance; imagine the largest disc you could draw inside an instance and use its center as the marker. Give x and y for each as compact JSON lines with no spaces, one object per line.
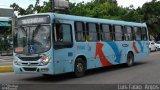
{"x":45,"y":59}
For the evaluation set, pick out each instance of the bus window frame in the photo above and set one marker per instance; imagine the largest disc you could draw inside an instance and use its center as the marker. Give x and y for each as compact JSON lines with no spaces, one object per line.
{"x":122,"y":27}
{"x":135,"y":33}
{"x":110,"y":31}
{"x":132,"y":32}
{"x":54,"y":30}
{"x":84,"y":31}
{"x":145,"y":34}
{"x":97,"y":31}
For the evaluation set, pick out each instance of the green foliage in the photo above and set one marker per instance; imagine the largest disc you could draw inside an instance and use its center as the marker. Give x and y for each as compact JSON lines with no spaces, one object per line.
{"x":37,"y":8}
{"x":151,"y":12}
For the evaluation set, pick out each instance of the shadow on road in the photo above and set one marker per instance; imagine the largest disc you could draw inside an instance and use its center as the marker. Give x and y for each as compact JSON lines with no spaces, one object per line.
{"x":70,"y":76}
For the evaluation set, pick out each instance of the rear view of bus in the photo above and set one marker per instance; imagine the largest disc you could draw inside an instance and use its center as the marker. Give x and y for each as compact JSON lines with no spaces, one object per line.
{"x":32,"y":45}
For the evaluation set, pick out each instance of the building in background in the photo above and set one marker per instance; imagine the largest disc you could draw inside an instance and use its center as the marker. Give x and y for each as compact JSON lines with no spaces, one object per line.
{"x":5,"y":34}
{"x":6,"y":21}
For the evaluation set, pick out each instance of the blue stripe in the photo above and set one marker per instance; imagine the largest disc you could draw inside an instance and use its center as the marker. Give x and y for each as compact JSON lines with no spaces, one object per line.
{"x":116,"y":51}
{"x":141,"y":46}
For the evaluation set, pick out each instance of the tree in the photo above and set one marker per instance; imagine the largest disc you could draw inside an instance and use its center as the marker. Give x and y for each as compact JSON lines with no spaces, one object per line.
{"x":37,"y":8}
{"x":98,"y":9}
{"x":151,"y":13}
{"x":20,"y":10}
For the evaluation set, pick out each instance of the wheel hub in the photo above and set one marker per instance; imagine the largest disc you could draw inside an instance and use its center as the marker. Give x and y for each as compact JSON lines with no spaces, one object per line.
{"x":79,"y":67}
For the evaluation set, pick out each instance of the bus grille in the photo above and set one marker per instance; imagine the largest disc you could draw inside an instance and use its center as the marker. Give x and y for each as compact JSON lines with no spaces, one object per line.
{"x":29,"y":69}
{"x":31,"y":64}
{"x":29,"y":58}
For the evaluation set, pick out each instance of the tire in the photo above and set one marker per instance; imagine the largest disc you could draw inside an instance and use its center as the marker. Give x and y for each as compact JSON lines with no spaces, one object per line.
{"x":130,"y":59}
{"x":156,"y":50}
{"x":79,"y":67}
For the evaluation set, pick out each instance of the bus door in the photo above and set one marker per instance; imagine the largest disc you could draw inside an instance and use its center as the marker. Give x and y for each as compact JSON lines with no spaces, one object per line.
{"x":62,"y":44}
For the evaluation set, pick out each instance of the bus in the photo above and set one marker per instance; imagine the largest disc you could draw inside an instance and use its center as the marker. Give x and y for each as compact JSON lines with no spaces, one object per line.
{"x":51,"y":43}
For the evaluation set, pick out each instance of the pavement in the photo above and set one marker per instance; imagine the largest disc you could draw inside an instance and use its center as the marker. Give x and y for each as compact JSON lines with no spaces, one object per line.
{"x":144,"y":75}
{"x":6,"y":64}
{"x":143,"y":72}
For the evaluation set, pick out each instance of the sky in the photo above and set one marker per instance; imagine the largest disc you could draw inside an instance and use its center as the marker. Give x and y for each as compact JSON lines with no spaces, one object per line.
{"x":25,"y":3}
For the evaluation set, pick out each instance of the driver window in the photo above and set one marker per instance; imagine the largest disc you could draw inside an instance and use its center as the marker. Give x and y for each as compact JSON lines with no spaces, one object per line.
{"x":63,"y":33}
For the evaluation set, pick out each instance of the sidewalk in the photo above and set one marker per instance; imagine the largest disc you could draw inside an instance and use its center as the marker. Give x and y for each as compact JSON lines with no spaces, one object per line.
{"x":6,"y":63}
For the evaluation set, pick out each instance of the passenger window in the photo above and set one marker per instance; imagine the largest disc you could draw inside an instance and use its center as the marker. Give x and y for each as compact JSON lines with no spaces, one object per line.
{"x":138,"y":33}
{"x":106,"y":32}
{"x":92,"y":32}
{"x":128,"y":34}
{"x":144,"y":34}
{"x":79,"y":31}
{"x":118,"y":33}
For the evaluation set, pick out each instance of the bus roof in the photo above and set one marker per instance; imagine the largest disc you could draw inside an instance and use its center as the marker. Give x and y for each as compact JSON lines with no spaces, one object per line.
{"x":97,"y":20}
{"x":89,"y":19}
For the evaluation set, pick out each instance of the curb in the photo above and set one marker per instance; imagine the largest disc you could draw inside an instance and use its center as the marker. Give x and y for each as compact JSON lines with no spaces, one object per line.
{"x":8,"y":68}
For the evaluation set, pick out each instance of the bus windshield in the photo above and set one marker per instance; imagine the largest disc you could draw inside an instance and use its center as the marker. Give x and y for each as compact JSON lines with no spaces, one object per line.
{"x":32,"y":39}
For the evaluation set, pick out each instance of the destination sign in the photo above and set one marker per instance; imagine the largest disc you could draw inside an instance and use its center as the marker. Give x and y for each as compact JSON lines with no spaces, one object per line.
{"x":29,"y":20}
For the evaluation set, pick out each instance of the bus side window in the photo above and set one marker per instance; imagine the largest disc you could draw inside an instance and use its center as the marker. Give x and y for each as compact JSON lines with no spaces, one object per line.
{"x":92,"y":32}
{"x":128,"y":34}
{"x":63,"y":35}
{"x":79,"y":31}
{"x":144,"y":34}
{"x":118,"y":32}
{"x":106,"y":32}
{"x":138,"y":33}
{"x":59,"y":33}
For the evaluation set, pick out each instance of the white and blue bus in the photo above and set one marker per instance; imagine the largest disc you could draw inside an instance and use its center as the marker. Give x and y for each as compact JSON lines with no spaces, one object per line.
{"x":51,"y":43}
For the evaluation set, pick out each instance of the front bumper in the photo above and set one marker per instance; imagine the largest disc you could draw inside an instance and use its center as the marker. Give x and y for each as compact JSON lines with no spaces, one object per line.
{"x":47,"y":69}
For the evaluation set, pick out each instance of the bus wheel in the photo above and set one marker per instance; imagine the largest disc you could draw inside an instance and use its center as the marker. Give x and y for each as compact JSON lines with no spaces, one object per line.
{"x":130,"y":59}
{"x":79,"y":67}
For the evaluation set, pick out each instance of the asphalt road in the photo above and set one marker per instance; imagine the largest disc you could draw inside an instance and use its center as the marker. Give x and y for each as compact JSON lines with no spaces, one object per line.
{"x":143,"y":72}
